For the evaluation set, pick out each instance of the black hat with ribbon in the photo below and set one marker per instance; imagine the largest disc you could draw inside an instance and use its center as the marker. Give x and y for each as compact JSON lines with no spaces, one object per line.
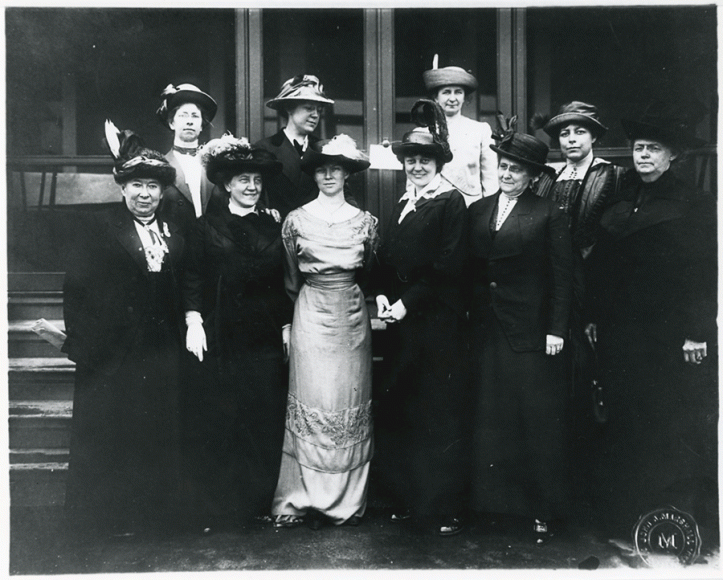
{"x":519,"y":147}
{"x":175,"y":96}
{"x":132,"y":160}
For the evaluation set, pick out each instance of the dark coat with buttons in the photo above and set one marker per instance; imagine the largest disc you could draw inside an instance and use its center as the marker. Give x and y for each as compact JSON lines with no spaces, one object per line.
{"x":523,"y":273}
{"x":522,"y":291}
{"x":234,"y":277}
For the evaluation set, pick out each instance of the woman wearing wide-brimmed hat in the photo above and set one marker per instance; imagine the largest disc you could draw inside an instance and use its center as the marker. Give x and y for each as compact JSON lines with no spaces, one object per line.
{"x":186,"y":110}
{"x":236,"y":309}
{"x":583,"y":187}
{"x":521,"y":294}
{"x":422,"y":400}
{"x":123,"y":319}
{"x":653,"y":297}
{"x":473,"y":168}
{"x":301,"y":102}
{"x":328,"y":439}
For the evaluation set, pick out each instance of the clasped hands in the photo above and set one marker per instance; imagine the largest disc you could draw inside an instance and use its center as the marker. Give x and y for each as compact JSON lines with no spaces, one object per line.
{"x":390,"y":313}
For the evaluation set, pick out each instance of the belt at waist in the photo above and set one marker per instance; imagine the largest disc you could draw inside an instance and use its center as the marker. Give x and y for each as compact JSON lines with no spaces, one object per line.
{"x":336,"y":281}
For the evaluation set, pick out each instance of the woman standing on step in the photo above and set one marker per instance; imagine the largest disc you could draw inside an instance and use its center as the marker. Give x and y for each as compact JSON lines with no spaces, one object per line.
{"x":123,"y":320}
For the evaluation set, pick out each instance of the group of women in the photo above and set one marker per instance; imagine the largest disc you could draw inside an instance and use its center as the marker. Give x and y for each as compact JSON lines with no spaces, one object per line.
{"x":485,"y":309}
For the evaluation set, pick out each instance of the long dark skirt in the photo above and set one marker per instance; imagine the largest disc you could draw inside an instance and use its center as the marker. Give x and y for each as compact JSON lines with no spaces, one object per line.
{"x":422,"y":440}
{"x":125,"y":438}
{"x":234,"y":420}
{"x":659,"y":446}
{"x":519,"y":448}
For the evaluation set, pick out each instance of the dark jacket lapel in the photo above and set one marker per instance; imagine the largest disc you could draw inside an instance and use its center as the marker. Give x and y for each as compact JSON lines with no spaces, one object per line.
{"x":127,"y":235}
{"x":180,"y":183}
{"x":508,"y":240}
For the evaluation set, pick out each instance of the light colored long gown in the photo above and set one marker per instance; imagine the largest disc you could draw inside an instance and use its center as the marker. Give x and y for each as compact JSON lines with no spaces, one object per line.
{"x":328,"y":440}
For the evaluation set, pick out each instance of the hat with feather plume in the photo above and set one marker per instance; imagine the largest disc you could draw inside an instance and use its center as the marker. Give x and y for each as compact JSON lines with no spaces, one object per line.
{"x":230,"y":155}
{"x":174,"y":96}
{"x":132,"y":160}
{"x":430,"y":137}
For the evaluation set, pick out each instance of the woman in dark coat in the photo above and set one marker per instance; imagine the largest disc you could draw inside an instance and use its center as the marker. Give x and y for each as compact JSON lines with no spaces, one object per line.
{"x":422,"y":403}
{"x":123,"y":320}
{"x":236,"y":310}
{"x":653,"y":299}
{"x":522,"y":288}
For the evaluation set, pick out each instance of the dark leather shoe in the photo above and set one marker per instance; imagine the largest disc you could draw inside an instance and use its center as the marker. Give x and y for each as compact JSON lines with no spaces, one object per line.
{"x":314,"y":521}
{"x":451,"y":527}
{"x":353,"y":521}
{"x":401,"y":515}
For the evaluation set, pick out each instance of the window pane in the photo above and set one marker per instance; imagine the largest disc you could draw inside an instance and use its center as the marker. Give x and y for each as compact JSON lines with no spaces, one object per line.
{"x":328,"y":44}
{"x":620,"y":58}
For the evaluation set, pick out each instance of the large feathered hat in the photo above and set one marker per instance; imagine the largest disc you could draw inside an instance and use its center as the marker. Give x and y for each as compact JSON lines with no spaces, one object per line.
{"x":175,"y":96}
{"x":430,"y":137}
{"x":297,"y":89}
{"x":227,"y":154}
{"x":133,"y":160}
{"x":339,"y":149}
{"x":520,"y":147}
{"x":436,"y":78}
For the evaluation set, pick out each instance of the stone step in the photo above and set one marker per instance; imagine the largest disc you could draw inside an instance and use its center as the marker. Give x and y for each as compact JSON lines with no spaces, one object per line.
{"x":40,"y":379}
{"x":38,"y":484}
{"x":35,"y":281}
{"x":21,"y":457}
{"x":24,"y":343}
{"x":31,"y":305}
{"x":39,"y":424}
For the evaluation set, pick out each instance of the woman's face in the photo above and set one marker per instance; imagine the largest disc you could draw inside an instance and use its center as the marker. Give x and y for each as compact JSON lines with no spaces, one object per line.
{"x":330,"y":178}
{"x":305,"y":117}
{"x":513,"y":176}
{"x":651,"y":158}
{"x":451,"y":99}
{"x":576,"y":142}
{"x":245,"y":189}
{"x":142,"y":196}
{"x":187,"y":123}
{"x":420,"y":169}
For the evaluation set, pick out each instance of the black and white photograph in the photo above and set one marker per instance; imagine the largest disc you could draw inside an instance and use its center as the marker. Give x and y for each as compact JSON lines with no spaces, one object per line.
{"x":338,"y":288}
